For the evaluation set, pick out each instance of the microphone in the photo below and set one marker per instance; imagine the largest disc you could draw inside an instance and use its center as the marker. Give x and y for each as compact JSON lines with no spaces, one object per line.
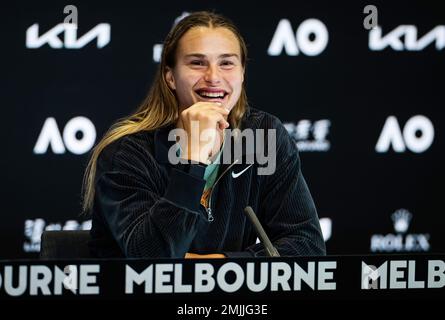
{"x":270,"y":249}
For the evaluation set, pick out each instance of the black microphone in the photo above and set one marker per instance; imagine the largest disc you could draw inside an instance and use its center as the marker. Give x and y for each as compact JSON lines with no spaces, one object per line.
{"x":270,"y":249}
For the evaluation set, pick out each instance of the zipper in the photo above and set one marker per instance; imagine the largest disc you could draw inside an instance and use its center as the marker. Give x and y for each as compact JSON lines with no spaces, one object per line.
{"x":210,"y":217}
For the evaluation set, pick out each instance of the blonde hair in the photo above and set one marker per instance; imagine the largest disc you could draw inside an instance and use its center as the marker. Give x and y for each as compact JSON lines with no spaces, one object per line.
{"x":160,"y":107}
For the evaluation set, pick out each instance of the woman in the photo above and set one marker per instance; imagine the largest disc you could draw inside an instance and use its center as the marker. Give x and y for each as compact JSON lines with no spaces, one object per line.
{"x":144,"y":204}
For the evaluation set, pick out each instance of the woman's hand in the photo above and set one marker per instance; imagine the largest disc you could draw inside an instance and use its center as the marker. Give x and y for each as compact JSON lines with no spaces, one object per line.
{"x":203,"y":123}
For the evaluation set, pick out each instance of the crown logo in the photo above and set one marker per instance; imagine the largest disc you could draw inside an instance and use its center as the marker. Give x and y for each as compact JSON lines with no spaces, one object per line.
{"x":401,"y":219}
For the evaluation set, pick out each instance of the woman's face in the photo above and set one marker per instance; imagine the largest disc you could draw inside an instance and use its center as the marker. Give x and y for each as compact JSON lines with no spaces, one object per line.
{"x":208,"y":68}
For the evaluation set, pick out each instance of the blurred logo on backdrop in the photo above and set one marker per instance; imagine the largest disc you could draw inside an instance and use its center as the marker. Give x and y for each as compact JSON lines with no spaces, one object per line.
{"x":406,"y":38}
{"x":35,"y":227}
{"x":101,"y":32}
{"x":78,"y":137}
{"x":417,"y":135}
{"x":310,"y":38}
{"x":310,"y":136}
{"x":401,"y":241}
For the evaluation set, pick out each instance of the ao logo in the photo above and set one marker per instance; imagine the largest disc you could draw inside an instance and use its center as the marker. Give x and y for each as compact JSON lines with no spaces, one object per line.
{"x":101,"y":32}
{"x":50,"y":136}
{"x":293,"y":43}
{"x":392,"y":135}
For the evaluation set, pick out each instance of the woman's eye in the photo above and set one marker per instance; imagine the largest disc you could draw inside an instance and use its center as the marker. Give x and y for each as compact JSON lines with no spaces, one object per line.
{"x":227,"y":63}
{"x":197,"y":63}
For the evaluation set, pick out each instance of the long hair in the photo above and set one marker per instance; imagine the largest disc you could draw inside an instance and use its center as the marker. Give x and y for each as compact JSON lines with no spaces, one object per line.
{"x":160,"y":107}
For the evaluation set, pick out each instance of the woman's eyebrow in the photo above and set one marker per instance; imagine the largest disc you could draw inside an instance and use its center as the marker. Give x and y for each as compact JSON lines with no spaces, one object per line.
{"x":203,"y":56}
{"x":228,"y":55}
{"x":195,"y":55}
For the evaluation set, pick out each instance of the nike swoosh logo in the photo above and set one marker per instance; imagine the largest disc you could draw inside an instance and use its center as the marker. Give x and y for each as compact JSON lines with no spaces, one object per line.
{"x":236,"y":175}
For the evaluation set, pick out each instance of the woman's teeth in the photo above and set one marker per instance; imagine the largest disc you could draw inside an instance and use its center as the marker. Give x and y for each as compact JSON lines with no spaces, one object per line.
{"x":212,"y":94}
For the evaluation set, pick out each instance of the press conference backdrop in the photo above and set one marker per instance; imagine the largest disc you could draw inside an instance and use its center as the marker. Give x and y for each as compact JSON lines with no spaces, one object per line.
{"x":365,"y":108}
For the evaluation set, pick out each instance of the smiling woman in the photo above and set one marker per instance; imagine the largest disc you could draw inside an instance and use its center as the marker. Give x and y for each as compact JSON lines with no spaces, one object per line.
{"x":144,"y":205}
{"x":208,"y":68}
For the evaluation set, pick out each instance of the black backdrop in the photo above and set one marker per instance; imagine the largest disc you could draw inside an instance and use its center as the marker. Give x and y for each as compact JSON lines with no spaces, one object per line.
{"x":335,"y":104}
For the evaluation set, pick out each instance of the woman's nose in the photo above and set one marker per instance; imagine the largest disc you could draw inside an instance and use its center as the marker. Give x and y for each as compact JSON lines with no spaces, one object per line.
{"x":212,"y":74}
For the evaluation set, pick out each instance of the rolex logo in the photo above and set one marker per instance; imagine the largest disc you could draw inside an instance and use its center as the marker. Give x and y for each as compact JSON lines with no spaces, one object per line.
{"x":400,"y":240}
{"x":401,"y":219}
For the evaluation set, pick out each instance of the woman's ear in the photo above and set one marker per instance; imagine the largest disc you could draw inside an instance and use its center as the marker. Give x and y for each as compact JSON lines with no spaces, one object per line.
{"x":170,"y":79}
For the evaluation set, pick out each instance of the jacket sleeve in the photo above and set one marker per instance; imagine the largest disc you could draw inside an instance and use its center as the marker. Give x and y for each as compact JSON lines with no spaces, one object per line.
{"x":287,"y":211}
{"x":147,"y":218}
